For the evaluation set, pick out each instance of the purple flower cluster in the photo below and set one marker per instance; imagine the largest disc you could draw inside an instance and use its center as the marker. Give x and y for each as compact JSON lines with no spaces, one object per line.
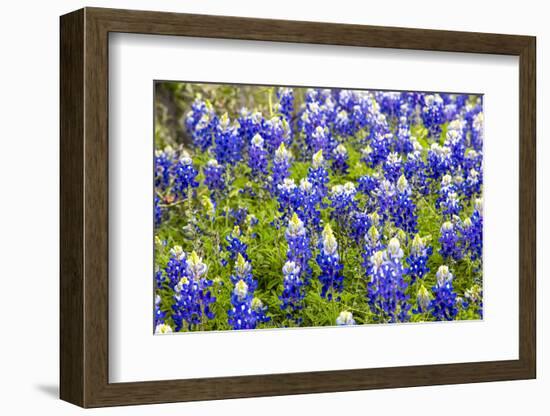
{"x":299,"y":250}
{"x":386,"y":290}
{"x":214,"y":176}
{"x":246,"y":311}
{"x":192,"y":294}
{"x":328,"y":259}
{"x":418,"y":259}
{"x":184,"y":177}
{"x":444,"y":306}
{"x":292,"y":297}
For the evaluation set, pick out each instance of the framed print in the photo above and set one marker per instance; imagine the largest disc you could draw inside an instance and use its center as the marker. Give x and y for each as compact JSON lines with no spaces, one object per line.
{"x":296,"y":207}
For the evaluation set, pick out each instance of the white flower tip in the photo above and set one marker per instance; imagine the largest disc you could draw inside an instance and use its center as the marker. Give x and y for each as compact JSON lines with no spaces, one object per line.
{"x":163,"y":329}
{"x":345,"y":318}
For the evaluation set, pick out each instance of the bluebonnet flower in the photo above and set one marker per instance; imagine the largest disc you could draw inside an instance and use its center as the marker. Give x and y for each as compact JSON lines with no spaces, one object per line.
{"x":241,"y":316}
{"x":257,"y":157}
{"x":239,"y":215}
{"x":204,"y":131}
{"x":472,"y":185}
{"x":246,"y":311}
{"x":446,"y":187}
{"x":386,"y":291}
{"x":362,"y":112}
{"x":403,"y":142}
{"x":380,"y":127}
{"x":433,"y":114}
{"x":367,"y":184}
{"x":343,"y":202}
{"x":450,"y":111}
{"x":328,"y":259}
{"x":453,"y":104}
{"x":198,"y":109}
{"x":460,"y":101}
{"x":243,"y":271}
{"x":276,"y":132}
{"x":413,"y":101}
{"x":251,"y":220}
{"x":450,"y":242}
{"x":347,"y":99}
{"x":288,"y":196}
{"x":318,"y":175}
{"x":393,"y":167}
{"x":443,"y":305}
{"x":159,"y":279}
{"x":329,"y":109}
{"x":474,"y":297}
{"x":473,"y":232}
{"x":184,"y":176}
{"x":403,"y":210}
{"x":176,"y":267}
{"x":367,"y":157}
{"x":312,"y":125}
{"x":375,"y":219}
{"x":477,"y":132}
{"x":228,"y":142}
{"x":281,"y":167}
{"x":292,"y":298}
{"x":201,"y":122}
{"x":340,"y":159}
{"x":213,"y":176}
{"x":455,"y":142}
{"x":321,"y":139}
{"x":160,"y":315}
{"x":235,"y":244}
{"x":390,"y":102}
{"x":163,"y":328}
{"x":439,"y":160}
{"x":414,"y":169}
{"x":163,"y":166}
{"x":343,"y":125}
{"x":306,"y":204}
{"x":345,"y":318}
{"x":371,"y":246}
{"x":418,"y":259}
{"x":250,"y":124}
{"x":469,"y":113}
{"x":158,"y":212}
{"x":299,"y":250}
{"x":193,"y":296}
{"x":286,"y":103}
{"x":451,"y":206}
{"x":472,"y":160}
{"x":460,"y":125}
{"x":423,"y":300}
{"x":359,"y":225}
{"x":386,"y":199}
{"x":378,"y":149}
{"x":459,"y":182}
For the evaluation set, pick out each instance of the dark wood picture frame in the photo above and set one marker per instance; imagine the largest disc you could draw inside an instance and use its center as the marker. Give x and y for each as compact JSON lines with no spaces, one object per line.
{"x":84,"y":207}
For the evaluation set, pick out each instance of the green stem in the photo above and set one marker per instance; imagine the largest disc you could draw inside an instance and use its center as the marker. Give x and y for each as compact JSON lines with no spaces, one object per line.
{"x":270,"y":101}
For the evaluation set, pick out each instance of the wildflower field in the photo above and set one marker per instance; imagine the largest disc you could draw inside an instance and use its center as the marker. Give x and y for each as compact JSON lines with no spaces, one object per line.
{"x":297,"y":207}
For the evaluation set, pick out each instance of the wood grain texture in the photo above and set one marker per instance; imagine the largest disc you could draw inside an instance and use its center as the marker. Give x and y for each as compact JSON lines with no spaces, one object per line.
{"x":527,"y":207}
{"x":71,"y":100}
{"x":84,"y":207}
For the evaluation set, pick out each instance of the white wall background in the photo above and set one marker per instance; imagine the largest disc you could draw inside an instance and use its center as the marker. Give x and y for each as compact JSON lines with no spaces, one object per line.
{"x":29,"y":210}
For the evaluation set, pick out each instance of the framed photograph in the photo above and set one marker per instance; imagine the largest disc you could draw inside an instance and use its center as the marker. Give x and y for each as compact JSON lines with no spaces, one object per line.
{"x":263,"y":207}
